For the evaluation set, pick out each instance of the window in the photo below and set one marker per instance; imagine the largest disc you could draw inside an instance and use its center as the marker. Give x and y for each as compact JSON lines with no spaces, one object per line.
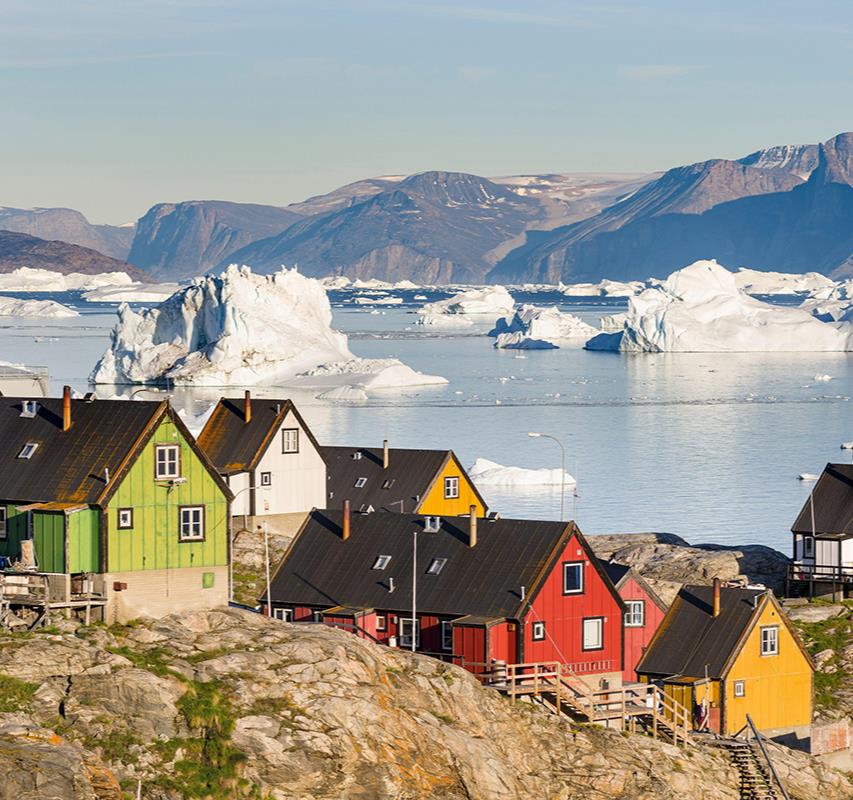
{"x":593,"y":633}
{"x":381,"y":623}
{"x":635,"y":615}
{"x":446,"y":636}
{"x":28,"y":449}
{"x":770,"y":640}
{"x":740,"y":689}
{"x":388,"y":484}
{"x":266,"y":479}
{"x":360,"y":483}
{"x":284,"y":614}
{"x":2,"y":522}
{"x":317,"y":616}
{"x":406,"y":632}
{"x":808,"y":547}
{"x":167,"y":461}
{"x":451,"y":488}
{"x":538,"y":631}
{"x":125,"y":518}
{"x":381,"y":562}
{"x":436,"y":566}
{"x":573,"y":577}
{"x":290,"y":440}
{"x":191,"y":524}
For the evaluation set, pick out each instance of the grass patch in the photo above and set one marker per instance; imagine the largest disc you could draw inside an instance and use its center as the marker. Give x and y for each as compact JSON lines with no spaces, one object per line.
{"x":445,"y":718}
{"x":206,"y":655}
{"x":269,"y":706}
{"x":828,"y":634}
{"x":15,"y":694}
{"x":153,"y":660}
{"x":114,"y":746}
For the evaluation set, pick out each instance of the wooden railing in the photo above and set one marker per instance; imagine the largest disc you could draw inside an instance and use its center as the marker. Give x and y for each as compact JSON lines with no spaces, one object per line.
{"x":819,"y":572}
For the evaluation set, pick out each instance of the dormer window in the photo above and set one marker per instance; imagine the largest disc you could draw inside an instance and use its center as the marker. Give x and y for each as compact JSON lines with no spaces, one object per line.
{"x":360,"y":483}
{"x":28,"y":449}
{"x":381,"y":562}
{"x":436,"y":566}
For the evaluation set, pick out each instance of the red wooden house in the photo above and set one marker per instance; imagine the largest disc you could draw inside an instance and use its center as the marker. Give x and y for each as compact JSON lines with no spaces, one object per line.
{"x":644,"y":612}
{"x":517,"y":591}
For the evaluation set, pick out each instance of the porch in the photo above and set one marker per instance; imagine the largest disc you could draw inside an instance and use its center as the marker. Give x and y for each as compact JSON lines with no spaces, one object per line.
{"x":29,"y":599}
{"x":812,"y":580}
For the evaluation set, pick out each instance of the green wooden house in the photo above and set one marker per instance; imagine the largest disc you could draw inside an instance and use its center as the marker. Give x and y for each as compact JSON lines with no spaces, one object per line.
{"x":117,"y":491}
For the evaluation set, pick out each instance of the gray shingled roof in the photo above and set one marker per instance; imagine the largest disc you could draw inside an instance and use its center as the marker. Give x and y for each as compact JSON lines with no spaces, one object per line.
{"x":833,"y":504}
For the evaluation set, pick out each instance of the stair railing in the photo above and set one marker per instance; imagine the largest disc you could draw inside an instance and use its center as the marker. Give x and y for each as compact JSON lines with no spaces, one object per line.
{"x":760,"y":739}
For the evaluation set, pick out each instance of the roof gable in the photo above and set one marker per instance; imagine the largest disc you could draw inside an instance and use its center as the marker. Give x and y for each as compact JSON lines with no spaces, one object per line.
{"x":832,"y":496}
{"x":322,"y":569}
{"x":620,"y":574}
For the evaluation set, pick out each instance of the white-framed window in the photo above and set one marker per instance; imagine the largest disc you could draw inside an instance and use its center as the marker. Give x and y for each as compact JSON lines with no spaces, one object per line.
{"x":538,"y":631}
{"x":125,"y":518}
{"x":770,"y":640}
{"x":406,"y":632}
{"x":446,"y":636}
{"x":381,"y":562}
{"x":360,"y":483}
{"x":573,"y":577}
{"x":451,"y":488}
{"x":290,"y":440}
{"x":266,"y":479}
{"x":191,"y":523}
{"x":284,"y":614}
{"x":3,"y":533}
{"x":381,"y":623}
{"x":635,"y":614}
{"x":740,"y":689}
{"x":167,"y":461}
{"x":436,"y":566}
{"x":28,"y":449}
{"x":593,"y":633}
{"x":808,"y":546}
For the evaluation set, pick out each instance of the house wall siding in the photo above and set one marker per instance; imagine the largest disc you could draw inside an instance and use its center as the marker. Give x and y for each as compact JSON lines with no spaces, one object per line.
{"x":49,"y":540}
{"x":16,"y":530}
{"x":435,"y":502}
{"x":83,"y":539}
{"x":637,"y":639}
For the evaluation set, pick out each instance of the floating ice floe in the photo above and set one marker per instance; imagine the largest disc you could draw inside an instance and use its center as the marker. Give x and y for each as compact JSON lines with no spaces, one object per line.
{"x":490,"y":473}
{"x":700,"y":309}
{"x":492,"y":300}
{"x":605,"y":288}
{"x":807,"y":476}
{"x":823,"y":378}
{"x":753,"y":281}
{"x":27,"y":279}
{"x":378,"y":301}
{"x":847,"y":445}
{"x":536,"y":328}
{"x":132,"y":293}
{"x":239,"y":328}
{"x":344,"y":394}
{"x":12,"y":307}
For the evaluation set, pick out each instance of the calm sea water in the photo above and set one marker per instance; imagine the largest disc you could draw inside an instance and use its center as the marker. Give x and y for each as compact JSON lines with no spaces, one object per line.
{"x":706,"y":446}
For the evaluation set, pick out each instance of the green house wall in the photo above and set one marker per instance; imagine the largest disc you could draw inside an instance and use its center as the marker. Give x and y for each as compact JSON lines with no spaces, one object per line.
{"x":16,"y":529}
{"x":153,"y":542}
{"x":49,"y":540}
{"x":83,"y":549}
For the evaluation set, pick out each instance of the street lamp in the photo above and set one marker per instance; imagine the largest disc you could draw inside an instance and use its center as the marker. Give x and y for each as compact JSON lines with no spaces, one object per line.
{"x":534,"y":435}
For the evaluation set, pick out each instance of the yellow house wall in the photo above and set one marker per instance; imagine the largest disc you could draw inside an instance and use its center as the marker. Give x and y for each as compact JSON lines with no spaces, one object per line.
{"x":435,"y":503}
{"x":778,"y":689}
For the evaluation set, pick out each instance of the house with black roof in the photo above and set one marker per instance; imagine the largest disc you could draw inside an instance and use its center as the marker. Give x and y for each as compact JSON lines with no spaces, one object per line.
{"x":726,"y":652}
{"x":465,"y":589}
{"x":267,"y":455}
{"x":114,"y":496}
{"x":823,"y":537}
{"x":405,"y":480}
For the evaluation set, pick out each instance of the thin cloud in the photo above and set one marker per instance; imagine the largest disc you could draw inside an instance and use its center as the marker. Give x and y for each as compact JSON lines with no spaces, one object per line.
{"x":477,"y":74}
{"x":655,"y":72}
{"x":500,"y":15}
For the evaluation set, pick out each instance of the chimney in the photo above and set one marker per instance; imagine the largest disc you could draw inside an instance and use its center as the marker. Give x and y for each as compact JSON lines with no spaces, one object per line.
{"x":247,"y":407}
{"x":385,"y":458}
{"x":346,"y":521}
{"x":66,"y":407}
{"x":472,"y":526}
{"x":716,"y":597}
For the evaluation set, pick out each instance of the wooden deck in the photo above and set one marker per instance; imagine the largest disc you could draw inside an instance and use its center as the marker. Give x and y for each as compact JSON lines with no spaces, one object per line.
{"x":28,"y":599}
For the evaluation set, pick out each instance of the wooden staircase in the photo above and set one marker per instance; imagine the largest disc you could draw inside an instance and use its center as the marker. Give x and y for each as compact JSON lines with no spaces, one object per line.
{"x":558,"y":688}
{"x":755,"y":781}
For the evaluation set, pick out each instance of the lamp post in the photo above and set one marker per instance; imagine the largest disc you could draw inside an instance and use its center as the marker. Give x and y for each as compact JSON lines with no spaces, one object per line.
{"x":535,"y":435}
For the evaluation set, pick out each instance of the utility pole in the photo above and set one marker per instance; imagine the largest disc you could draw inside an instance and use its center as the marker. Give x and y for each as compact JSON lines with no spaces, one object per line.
{"x":414,"y":585}
{"x":267,"y":563}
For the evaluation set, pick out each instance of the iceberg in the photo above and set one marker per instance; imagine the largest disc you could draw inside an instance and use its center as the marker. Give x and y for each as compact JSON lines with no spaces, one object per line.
{"x":700,"y":309}
{"x":493,"y":300}
{"x":605,"y":288}
{"x":489,"y":473}
{"x":753,"y":281}
{"x":831,"y":304}
{"x":27,"y":279}
{"x":242,"y":329}
{"x":378,"y":301}
{"x":12,"y":307}
{"x":536,"y":328}
{"x":131,"y":293}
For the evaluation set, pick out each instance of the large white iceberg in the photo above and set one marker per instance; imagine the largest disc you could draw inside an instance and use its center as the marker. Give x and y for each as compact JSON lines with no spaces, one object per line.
{"x":537,"y":328}
{"x":492,"y":300}
{"x":27,"y":279}
{"x":832,"y":303}
{"x":753,"y":281}
{"x":239,"y":328}
{"x":489,"y":473}
{"x":12,"y":307}
{"x":700,"y":309}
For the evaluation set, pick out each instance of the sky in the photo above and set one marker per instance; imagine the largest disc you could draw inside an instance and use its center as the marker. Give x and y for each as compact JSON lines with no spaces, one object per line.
{"x":110,"y":106}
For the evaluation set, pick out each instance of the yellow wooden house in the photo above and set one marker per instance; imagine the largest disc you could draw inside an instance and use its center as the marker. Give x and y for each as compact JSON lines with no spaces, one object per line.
{"x":727,"y":652}
{"x":410,"y":481}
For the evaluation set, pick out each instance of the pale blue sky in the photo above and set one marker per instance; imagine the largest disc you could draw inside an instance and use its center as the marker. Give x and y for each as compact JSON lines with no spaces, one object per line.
{"x":110,"y":106}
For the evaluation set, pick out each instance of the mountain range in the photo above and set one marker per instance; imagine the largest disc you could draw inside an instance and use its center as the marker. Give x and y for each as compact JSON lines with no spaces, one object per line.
{"x":787,"y":208}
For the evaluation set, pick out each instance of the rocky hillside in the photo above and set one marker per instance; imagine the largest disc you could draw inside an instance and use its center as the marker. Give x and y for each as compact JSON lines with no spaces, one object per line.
{"x":228,"y":704}
{"x":23,"y":250}
{"x":67,"y":225}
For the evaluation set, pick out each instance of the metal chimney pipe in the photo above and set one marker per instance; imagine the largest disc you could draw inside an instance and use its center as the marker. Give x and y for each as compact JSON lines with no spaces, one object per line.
{"x":385,"y":456}
{"x":472,"y":526}
{"x":66,"y":407}
{"x":716,"y":597}
{"x":345,"y":528}
{"x":247,"y":407}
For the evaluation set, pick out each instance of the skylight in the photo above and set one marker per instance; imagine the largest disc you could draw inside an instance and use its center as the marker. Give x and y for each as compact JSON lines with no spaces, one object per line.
{"x":28,"y":449}
{"x":381,"y":562}
{"x":436,"y":566}
{"x":360,"y":482}
{"x":388,"y":484}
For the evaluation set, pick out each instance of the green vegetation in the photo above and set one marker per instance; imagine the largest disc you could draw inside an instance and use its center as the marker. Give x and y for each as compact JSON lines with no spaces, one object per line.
{"x":830,"y":634}
{"x":154,"y":660}
{"x":15,"y":694}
